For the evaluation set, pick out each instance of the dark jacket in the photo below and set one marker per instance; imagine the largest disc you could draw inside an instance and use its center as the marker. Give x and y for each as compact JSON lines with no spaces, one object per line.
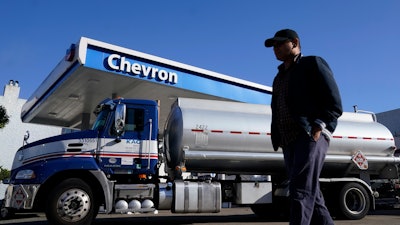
{"x":313,"y":98}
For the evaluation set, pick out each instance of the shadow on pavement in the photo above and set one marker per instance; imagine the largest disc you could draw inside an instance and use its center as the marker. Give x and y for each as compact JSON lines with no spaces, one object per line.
{"x":184,"y":219}
{"x":178,"y":219}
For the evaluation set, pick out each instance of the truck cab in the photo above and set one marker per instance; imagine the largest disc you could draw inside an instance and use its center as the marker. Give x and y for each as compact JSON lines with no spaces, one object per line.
{"x":127,"y":138}
{"x":117,"y":158}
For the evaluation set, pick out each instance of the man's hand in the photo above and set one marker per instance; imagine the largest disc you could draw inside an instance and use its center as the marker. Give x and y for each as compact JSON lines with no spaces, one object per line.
{"x":316,"y":132}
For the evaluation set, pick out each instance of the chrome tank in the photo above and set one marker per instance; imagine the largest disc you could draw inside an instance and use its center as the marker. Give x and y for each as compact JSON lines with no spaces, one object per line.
{"x":231,"y":137}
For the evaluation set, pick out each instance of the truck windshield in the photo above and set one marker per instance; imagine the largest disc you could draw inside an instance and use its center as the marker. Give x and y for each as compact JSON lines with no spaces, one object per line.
{"x":101,"y":120}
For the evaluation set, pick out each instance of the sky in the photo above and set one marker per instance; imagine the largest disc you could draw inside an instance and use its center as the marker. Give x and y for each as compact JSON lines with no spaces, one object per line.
{"x":360,"y":39}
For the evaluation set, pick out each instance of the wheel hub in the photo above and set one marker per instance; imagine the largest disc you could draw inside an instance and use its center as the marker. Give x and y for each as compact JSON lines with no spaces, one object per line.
{"x":73,"y":205}
{"x":355,"y":201}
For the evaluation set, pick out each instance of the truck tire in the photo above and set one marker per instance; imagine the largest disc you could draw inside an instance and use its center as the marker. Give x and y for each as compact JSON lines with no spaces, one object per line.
{"x":71,"y":203}
{"x":354,"y":201}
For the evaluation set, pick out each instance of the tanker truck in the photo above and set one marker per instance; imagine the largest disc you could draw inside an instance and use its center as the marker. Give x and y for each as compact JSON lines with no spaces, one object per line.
{"x":209,"y":155}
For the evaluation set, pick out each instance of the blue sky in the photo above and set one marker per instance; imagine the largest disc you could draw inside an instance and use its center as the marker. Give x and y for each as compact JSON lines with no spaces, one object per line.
{"x":359,"y":39}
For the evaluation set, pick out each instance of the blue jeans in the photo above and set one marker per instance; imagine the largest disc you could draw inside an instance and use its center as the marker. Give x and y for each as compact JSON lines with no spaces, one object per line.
{"x":304,"y":159}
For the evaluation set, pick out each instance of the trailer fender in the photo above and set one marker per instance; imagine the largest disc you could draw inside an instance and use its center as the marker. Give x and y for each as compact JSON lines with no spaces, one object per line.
{"x":350,"y":179}
{"x":355,"y":197}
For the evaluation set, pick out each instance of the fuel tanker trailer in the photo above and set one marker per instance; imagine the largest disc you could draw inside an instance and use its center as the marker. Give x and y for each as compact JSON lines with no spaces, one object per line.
{"x":209,"y":155}
{"x":226,"y":137}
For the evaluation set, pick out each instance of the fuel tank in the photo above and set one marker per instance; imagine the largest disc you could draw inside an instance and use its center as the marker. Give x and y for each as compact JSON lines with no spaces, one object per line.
{"x":231,"y":137}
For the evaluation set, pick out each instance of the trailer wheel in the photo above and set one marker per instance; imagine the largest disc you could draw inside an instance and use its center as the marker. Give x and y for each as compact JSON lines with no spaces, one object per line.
{"x":354,"y":201}
{"x":71,"y":203}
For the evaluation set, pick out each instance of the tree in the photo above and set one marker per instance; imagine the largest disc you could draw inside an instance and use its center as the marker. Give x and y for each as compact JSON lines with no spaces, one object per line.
{"x":4,"y":173}
{"x":4,"y":118}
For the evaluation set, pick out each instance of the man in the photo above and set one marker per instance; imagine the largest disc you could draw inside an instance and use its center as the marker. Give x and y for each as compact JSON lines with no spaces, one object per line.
{"x":305,"y":107}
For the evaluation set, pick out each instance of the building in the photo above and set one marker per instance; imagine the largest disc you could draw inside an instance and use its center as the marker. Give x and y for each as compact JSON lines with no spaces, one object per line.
{"x":12,"y":135}
{"x":391,"y":119}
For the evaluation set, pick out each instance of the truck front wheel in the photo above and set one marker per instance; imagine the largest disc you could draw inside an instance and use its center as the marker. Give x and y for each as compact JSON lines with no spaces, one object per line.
{"x":71,"y":203}
{"x":354,"y":201}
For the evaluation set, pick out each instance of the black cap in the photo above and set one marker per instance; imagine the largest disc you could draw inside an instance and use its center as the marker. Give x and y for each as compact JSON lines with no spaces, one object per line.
{"x":282,"y":35}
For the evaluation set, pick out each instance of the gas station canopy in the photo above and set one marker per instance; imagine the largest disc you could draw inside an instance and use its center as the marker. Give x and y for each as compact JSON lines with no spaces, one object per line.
{"x":92,"y":71}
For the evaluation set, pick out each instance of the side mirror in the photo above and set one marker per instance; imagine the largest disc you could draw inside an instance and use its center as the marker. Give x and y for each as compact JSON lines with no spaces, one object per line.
{"x":119,"y":123}
{"x":6,"y":181}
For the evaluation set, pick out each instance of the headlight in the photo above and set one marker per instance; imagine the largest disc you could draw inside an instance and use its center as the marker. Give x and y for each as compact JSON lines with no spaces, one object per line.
{"x":25,"y":174}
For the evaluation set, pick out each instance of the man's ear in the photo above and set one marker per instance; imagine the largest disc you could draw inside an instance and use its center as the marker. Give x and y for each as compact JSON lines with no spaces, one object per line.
{"x":295,"y":42}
